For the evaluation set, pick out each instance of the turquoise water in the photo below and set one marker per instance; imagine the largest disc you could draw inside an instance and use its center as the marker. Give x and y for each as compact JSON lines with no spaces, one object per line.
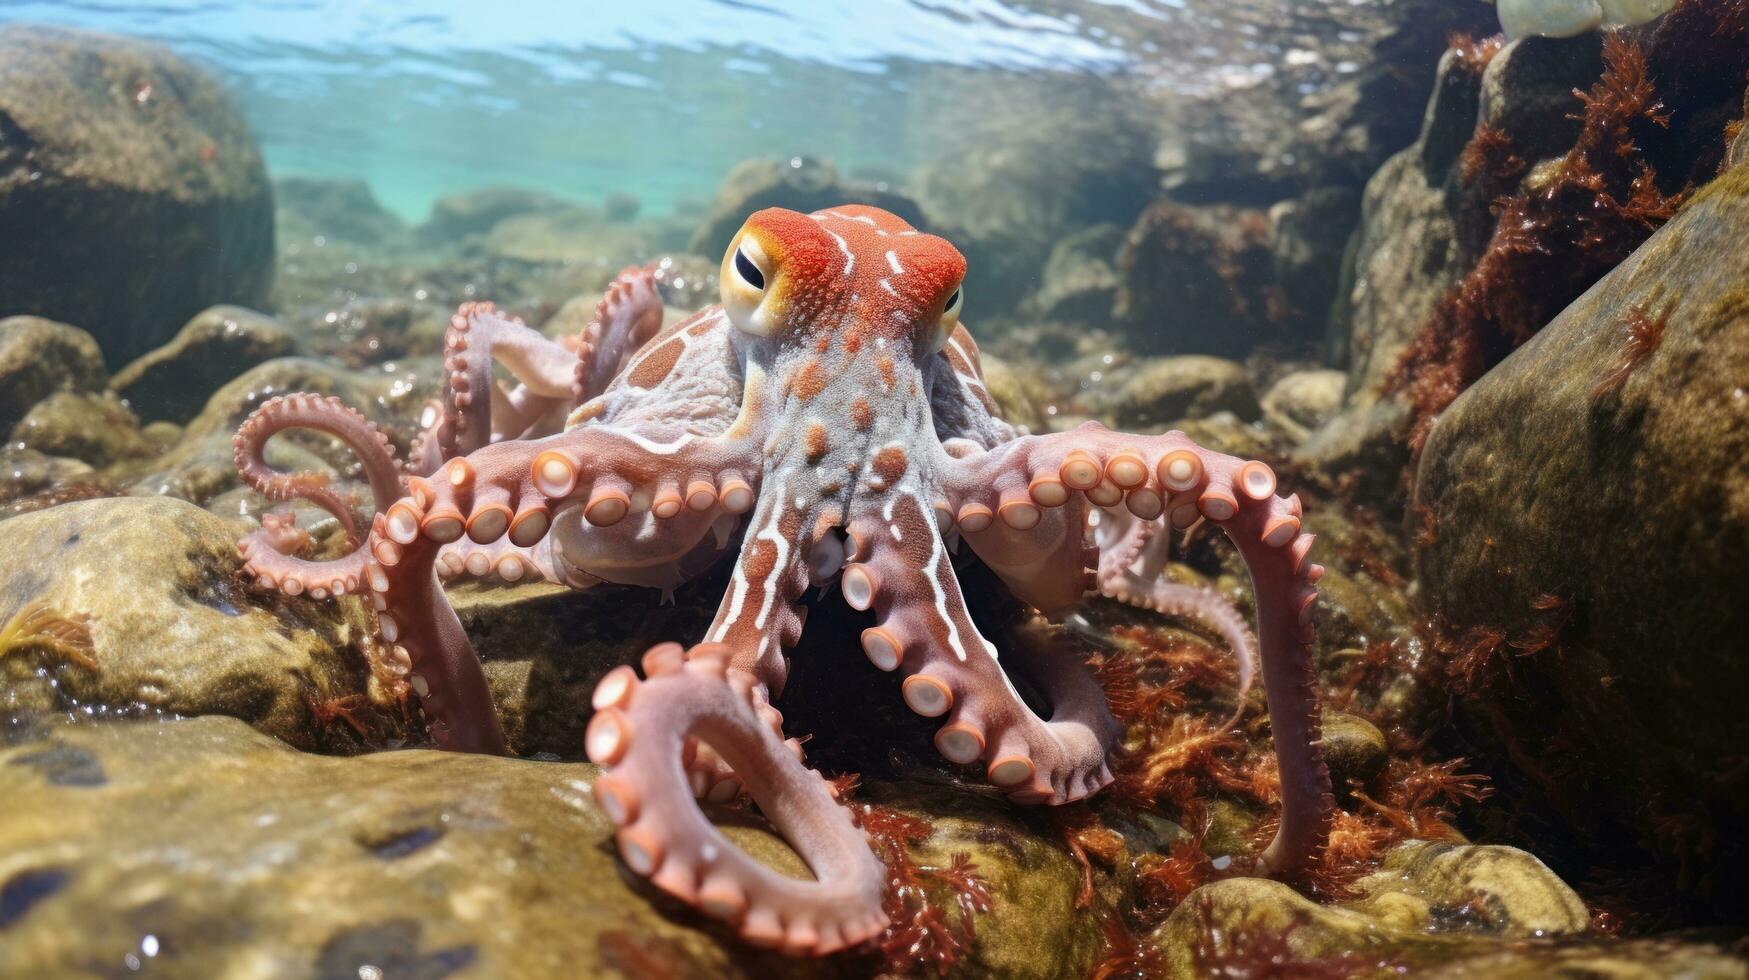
{"x":659,"y":99}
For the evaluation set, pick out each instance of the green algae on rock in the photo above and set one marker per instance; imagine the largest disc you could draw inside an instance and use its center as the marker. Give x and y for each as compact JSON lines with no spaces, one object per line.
{"x":174,"y":631}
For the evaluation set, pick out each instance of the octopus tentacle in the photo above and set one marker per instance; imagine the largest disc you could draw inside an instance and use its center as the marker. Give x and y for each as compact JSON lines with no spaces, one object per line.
{"x":415,"y":622}
{"x":1132,"y":556}
{"x":640,"y":731}
{"x":901,"y":571}
{"x":267,"y":551}
{"x":1169,"y":475}
{"x":629,"y":314}
{"x":499,"y":558}
{"x":478,"y":337}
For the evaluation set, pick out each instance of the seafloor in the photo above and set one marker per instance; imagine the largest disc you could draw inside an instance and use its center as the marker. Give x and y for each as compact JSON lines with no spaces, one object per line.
{"x":1500,"y":355}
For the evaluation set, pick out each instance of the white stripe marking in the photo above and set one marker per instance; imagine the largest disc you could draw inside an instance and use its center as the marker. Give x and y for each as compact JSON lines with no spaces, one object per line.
{"x":893,"y":260}
{"x":849,"y":260}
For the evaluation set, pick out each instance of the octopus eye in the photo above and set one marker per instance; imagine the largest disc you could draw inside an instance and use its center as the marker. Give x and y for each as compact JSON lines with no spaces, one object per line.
{"x":747,"y":270}
{"x":950,"y":318}
{"x":751,"y":273}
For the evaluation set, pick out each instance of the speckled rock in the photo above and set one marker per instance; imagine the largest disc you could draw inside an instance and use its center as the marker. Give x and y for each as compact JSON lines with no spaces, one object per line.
{"x":567,"y":236}
{"x":1437,"y":910}
{"x":143,"y":169}
{"x":1308,"y":236}
{"x":1623,"y":549}
{"x":39,"y":357}
{"x":1354,"y":748}
{"x":172,"y":382}
{"x":1302,"y":401}
{"x":238,"y":855}
{"x":174,"y":630}
{"x":1163,"y":390}
{"x":802,"y":184}
{"x":93,"y":428}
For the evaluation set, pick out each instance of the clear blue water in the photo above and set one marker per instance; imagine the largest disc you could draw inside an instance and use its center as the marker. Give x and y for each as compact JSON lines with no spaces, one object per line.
{"x":585,"y":98}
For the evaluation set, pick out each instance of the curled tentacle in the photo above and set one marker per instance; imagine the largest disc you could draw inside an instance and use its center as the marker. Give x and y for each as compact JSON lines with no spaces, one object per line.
{"x":266,"y":550}
{"x":640,"y":732}
{"x":1133,"y":553}
{"x":1168,"y":475}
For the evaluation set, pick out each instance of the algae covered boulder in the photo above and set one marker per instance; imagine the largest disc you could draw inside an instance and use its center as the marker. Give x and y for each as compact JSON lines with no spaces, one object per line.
{"x":200,"y":847}
{"x":173,"y":629}
{"x":1585,"y":526}
{"x":121,"y":161}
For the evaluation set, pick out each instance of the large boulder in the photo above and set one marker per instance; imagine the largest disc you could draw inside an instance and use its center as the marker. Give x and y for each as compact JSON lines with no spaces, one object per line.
{"x":132,"y":193}
{"x":1584,"y":518}
{"x":200,"y":847}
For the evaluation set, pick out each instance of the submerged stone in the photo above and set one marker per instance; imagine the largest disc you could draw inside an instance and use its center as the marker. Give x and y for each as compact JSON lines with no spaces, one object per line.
{"x":172,"y":382}
{"x":122,"y":157}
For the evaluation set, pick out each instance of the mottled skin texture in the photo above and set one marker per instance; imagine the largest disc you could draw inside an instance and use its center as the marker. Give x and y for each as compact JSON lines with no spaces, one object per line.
{"x":831,"y":417}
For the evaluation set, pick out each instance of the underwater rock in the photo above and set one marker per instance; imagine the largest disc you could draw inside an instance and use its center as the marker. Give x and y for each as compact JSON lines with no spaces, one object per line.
{"x":143,"y":169}
{"x":1435,"y":910}
{"x":231,"y":852}
{"x":1568,"y":18}
{"x":457,"y":216}
{"x":91,"y":427}
{"x":174,"y":381}
{"x":1008,"y":175}
{"x":1308,"y":238}
{"x":25,"y":471}
{"x":1354,"y":748}
{"x":200,"y":466}
{"x":1162,"y":390}
{"x":173,"y":631}
{"x":1404,"y":258}
{"x":804,"y":184}
{"x":1197,"y":280}
{"x":1018,"y":390}
{"x":1608,"y":668}
{"x":1079,"y":284}
{"x":343,"y":210}
{"x":39,"y":357}
{"x":1302,"y":401}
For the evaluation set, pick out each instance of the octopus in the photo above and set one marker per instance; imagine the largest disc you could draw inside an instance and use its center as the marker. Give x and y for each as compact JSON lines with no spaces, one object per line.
{"x":827,"y":425}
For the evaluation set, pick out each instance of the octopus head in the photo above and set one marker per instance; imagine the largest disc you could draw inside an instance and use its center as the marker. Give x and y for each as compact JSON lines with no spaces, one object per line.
{"x":853,"y":276}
